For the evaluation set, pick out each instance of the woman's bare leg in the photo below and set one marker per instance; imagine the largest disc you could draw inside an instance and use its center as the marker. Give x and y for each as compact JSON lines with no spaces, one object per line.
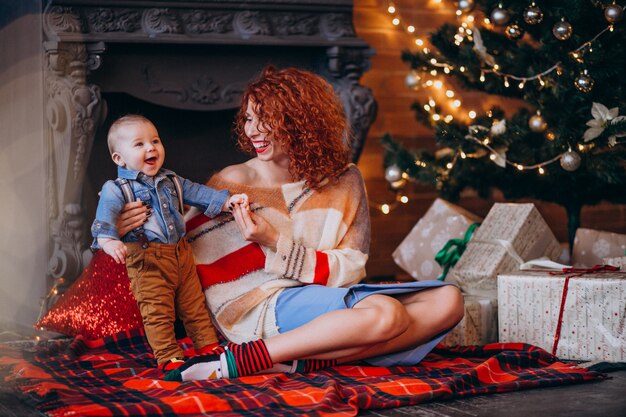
{"x":377,"y":325}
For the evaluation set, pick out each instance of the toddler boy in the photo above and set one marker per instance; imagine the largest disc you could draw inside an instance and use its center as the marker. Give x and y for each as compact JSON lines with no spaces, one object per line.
{"x":158,"y":258}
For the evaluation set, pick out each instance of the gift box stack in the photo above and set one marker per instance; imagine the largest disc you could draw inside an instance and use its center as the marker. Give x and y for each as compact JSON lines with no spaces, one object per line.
{"x":575,"y":313}
{"x":510,"y":234}
{"x":444,"y":222}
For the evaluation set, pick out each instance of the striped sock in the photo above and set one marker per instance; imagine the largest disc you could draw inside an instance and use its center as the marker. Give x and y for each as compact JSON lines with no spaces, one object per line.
{"x":250,"y":358}
{"x":311,"y":365}
{"x":230,"y":361}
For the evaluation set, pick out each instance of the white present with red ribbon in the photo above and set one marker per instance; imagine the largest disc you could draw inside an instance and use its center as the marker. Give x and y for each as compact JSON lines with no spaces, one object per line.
{"x":510,"y":236}
{"x":479,"y":325}
{"x":577,"y":313}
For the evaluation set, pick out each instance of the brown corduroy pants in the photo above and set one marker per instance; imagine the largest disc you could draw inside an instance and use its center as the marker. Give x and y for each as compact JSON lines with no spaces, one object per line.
{"x":164,"y":281}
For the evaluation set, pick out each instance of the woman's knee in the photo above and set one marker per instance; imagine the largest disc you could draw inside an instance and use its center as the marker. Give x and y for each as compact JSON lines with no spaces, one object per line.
{"x":386,"y":317}
{"x":452,"y":305}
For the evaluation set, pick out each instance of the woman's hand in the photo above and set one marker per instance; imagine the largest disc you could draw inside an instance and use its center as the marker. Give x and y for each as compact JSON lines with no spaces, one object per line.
{"x":133,"y":215}
{"x":255,"y":228}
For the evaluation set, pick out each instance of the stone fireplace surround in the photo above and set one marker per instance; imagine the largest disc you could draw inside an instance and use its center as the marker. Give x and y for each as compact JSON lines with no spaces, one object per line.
{"x":189,"y":56}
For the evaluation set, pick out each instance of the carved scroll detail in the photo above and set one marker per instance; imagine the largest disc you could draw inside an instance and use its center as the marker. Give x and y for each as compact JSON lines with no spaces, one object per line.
{"x":74,"y":109}
{"x":346,"y":66}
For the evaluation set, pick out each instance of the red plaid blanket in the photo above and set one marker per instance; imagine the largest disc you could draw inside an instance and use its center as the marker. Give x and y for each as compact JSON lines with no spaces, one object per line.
{"x":116,"y":376}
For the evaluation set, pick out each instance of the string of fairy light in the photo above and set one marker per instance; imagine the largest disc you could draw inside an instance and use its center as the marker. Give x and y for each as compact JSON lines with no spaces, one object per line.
{"x":438,"y":89}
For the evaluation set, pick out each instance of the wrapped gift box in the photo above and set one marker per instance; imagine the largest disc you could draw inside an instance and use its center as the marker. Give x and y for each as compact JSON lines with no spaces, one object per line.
{"x":590,"y":246}
{"x":441,"y":222}
{"x":479,"y":326}
{"x":618,"y":262}
{"x":593,"y":313}
{"x":510,"y":235}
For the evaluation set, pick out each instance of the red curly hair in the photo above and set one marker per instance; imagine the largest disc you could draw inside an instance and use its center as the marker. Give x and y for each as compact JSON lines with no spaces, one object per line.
{"x":305,"y":117}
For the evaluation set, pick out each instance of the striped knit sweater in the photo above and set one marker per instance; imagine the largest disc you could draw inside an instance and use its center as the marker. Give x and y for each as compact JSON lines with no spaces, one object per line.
{"x":324,"y":239}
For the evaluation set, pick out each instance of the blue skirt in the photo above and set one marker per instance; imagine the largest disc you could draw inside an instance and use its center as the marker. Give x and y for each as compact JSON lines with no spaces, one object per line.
{"x":299,"y":305}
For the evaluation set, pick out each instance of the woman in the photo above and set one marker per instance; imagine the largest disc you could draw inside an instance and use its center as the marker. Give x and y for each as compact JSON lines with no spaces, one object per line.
{"x":280,"y":275}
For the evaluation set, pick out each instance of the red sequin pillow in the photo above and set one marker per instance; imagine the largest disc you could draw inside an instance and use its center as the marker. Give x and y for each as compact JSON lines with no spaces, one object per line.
{"x":99,"y":303}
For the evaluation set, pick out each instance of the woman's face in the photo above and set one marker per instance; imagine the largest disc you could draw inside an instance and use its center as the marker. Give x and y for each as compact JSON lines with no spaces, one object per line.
{"x":262,"y":139}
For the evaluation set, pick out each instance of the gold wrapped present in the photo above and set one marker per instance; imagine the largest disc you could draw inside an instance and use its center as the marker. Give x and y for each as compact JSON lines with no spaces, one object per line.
{"x":510,"y":235}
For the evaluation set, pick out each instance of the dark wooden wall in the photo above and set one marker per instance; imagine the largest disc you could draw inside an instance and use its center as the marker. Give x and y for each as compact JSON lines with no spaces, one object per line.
{"x":386,"y":79}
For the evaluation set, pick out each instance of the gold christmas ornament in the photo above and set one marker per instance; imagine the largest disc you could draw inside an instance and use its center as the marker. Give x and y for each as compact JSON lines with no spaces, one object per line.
{"x":533,"y":14}
{"x":584,"y":82}
{"x":514,"y":32}
{"x":500,"y":16}
{"x":550,"y":135}
{"x":570,"y":161}
{"x":562,"y":30}
{"x":537,"y":123}
{"x":613,"y":13}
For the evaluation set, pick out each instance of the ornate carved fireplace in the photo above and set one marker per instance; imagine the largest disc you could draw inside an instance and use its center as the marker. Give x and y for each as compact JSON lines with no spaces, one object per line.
{"x":187,"y":59}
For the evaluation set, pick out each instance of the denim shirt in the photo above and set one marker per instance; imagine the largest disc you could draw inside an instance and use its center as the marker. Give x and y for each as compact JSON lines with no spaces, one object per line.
{"x":166,"y":224}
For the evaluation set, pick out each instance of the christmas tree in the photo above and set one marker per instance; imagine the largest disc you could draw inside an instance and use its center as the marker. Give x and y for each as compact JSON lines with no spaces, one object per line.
{"x":565,"y":60}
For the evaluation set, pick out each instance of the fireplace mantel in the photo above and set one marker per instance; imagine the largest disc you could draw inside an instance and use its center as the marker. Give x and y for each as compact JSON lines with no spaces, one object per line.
{"x":191,"y":55}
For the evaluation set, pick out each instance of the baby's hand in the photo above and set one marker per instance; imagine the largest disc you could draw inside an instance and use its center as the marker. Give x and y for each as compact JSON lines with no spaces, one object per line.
{"x":241,"y":199}
{"x":116,"y":249}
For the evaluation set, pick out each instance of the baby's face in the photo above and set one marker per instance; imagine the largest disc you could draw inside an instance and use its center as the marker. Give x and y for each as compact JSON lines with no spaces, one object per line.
{"x":139,"y":148}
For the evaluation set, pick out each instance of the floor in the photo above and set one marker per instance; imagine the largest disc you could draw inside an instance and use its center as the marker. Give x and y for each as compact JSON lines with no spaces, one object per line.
{"x":606,"y":398}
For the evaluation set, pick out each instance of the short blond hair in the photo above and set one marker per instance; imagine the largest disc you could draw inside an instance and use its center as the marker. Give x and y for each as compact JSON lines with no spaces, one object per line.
{"x":113,"y":135}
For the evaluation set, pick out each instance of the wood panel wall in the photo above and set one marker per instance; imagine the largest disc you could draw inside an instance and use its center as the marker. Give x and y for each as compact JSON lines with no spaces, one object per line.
{"x":386,"y":79}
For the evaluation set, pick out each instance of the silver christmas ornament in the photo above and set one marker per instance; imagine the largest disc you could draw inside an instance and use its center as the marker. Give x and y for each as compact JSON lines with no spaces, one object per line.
{"x":537,"y":123}
{"x":514,"y":32}
{"x":613,"y":13}
{"x":465,"y":5}
{"x":584,"y":82}
{"x":393,"y":173}
{"x":562,"y":30}
{"x":500,"y":16}
{"x":413,"y":80}
{"x":533,"y":15}
{"x":570,"y":161}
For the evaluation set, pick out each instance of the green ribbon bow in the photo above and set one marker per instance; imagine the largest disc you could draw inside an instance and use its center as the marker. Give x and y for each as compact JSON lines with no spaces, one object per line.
{"x":449,"y":255}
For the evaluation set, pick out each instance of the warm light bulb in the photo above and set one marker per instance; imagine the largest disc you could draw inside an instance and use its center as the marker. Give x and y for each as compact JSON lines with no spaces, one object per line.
{"x":449,"y":165}
{"x":463,"y":155}
{"x":433,"y":72}
{"x":541,"y":171}
{"x":450,"y":93}
{"x":472,"y":114}
{"x":404,"y":199}
{"x":520,"y":167}
{"x":521,"y":85}
{"x":396,"y":21}
{"x":438,"y":84}
{"x":426,"y":107}
{"x":462,"y":69}
{"x":436,"y":117}
{"x":432,"y":102}
{"x":419,"y":42}
{"x":411,"y":29}
{"x":492,"y":157}
{"x":446,"y":70}
{"x":456,"y":103}
{"x":391,"y":9}
{"x":482,"y":77}
{"x":506,"y":82}
{"x":385,"y":208}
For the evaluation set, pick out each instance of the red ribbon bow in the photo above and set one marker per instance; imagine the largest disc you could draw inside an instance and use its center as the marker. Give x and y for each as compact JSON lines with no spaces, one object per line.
{"x":574,"y":272}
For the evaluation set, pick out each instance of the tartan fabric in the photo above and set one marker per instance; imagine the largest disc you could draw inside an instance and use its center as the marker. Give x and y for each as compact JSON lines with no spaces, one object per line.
{"x":116,"y":376}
